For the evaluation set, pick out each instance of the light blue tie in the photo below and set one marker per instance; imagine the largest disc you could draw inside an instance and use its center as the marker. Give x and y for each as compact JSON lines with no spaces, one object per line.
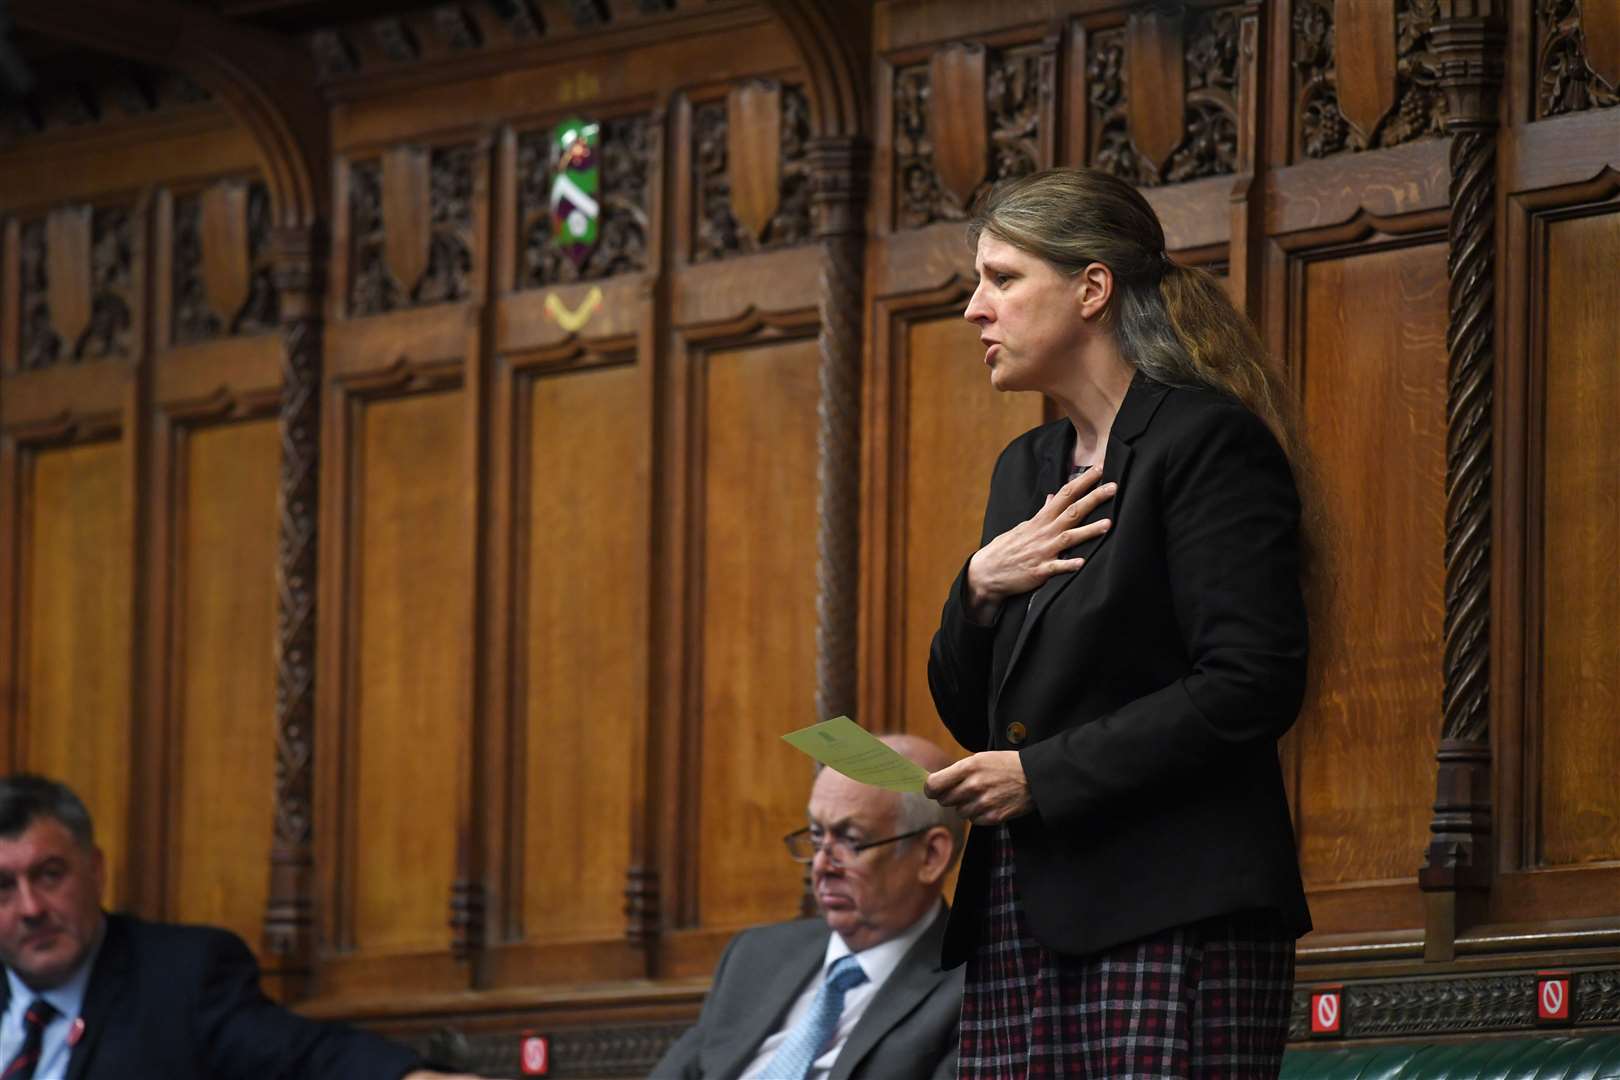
{"x":805,"y":1042}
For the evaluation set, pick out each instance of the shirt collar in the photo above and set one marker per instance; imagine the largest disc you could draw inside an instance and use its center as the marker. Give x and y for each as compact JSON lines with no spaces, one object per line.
{"x":879,"y":961}
{"x":67,"y":999}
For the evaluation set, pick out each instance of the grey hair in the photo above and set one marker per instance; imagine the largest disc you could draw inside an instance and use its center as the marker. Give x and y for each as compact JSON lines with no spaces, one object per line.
{"x":917,"y":811}
{"x":25,"y":797}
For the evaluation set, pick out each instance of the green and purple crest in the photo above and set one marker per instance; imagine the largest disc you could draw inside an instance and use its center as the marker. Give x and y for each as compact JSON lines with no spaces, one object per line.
{"x":575,"y":181}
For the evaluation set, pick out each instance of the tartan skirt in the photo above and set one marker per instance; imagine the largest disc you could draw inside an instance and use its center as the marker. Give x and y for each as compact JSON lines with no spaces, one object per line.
{"x":1199,"y":1002}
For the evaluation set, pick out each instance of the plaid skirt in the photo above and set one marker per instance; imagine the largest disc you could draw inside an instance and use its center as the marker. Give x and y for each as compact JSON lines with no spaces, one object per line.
{"x":1199,"y":1002}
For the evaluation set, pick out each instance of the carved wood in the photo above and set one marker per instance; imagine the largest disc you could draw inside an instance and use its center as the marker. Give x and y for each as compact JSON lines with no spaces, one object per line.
{"x":289,"y":915}
{"x":956,"y":119}
{"x":226,"y":269}
{"x":1459,"y":854}
{"x":194,"y":315}
{"x":1577,"y":56}
{"x":1364,"y":43}
{"x":1154,"y":57}
{"x":624,"y":231}
{"x":67,"y":239}
{"x":716,"y":234}
{"x":1206,"y":136}
{"x":1320,"y":127}
{"x":840,"y":171}
{"x":375,"y":286}
{"x":1019,"y":107}
{"x":406,"y":214}
{"x":753,"y":153}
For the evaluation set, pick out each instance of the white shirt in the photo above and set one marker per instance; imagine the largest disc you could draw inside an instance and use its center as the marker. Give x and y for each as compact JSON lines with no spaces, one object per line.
{"x":878,"y":962}
{"x":68,"y":1000}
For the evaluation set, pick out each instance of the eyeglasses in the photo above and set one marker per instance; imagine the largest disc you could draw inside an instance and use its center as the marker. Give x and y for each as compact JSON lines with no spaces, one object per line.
{"x":803,"y":844}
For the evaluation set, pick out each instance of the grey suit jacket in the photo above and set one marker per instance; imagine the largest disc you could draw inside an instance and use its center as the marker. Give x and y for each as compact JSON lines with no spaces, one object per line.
{"x":908,"y":1031}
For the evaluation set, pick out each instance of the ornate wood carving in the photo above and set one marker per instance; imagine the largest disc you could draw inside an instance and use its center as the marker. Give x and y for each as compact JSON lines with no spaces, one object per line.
{"x":1153,"y":57}
{"x":1364,"y":61}
{"x":641,"y":905}
{"x":753,"y":152}
{"x":717,"y":235}
{"x":298,"y":255}
{"x":99,"y":303}
{"x":1207,"y":144}
{"x":467,"y":921}
{"x":840,"y":165}
{"x":1577,"y":56}
{"x":407,"y":215}
{"x":40,"y":343}
{"x":1019,"y":95}
{"x":621,"y":238}
{"x":598,"y":1051}
{"x":1425,"y":1006}
{"x":957,"y":122}
{"x":67,"y":281}
{"x":226,"y":271}
{"x":126,"y":91}
{"x":1320,"y":125}
{"x":1459,"y":855}
{"x":395,"y":39}
{"x":198,"y":317}
{"x":374,"y":287}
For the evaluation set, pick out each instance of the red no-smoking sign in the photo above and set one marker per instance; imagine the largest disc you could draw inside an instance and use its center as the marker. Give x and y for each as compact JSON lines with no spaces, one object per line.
{"x":536,"y":1055}
{"x":1552,"y":997}
{"x":1327,"y":1017}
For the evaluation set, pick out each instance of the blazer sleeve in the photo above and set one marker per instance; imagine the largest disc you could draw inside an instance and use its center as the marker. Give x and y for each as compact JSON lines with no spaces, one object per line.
{"x":683,"y":1060}
{"x":244,"y":1033}
{"x":959,"y":659}
{"x":1231,"y":521}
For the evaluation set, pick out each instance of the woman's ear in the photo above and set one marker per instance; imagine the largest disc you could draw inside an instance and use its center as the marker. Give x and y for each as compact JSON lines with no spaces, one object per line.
{"x":1093,"y":290}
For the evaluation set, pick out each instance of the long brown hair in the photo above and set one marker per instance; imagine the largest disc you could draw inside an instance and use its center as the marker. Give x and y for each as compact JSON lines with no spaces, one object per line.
{"x":1175,"y":324}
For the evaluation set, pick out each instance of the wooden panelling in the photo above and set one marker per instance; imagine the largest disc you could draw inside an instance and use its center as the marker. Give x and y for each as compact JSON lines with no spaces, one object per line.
{"x":1374,"y":369}
{"x":583,"y":634}
{"x":758,"y":626}
{"x":222,"y":664}
{"x":75,"y":714}
{"x":956,"y":426}
{"x":1580,"y":676}
{"x":411,"y":666}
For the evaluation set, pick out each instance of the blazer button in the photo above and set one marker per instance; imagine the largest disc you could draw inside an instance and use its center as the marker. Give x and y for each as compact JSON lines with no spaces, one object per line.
{"x":1017,"y":733}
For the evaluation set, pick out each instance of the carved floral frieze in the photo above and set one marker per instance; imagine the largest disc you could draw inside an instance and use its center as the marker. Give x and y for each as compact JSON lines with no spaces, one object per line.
{"x":373,"y":288}
{"x":1320,"y":129}
{"x":1018,"y":92}
{"x":717,"y":233}
{"x":1565,"y":81}
{"x":621,"y":244}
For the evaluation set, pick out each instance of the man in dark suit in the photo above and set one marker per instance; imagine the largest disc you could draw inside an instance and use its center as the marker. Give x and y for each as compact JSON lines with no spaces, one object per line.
{"x":859,"y":992}
{"x":92,"y":996}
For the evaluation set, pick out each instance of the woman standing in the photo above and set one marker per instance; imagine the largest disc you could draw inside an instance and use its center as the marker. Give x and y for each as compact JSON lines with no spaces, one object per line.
{"x":1121,"y":655}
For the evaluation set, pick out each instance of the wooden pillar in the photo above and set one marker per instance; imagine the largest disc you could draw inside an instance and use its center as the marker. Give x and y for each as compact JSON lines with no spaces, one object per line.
{"x":839,"y":167}
{"x":289,"y":915}
{"x":1468,"y":39}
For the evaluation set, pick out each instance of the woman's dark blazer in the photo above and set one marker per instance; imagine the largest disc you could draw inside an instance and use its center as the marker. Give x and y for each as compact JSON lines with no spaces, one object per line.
{"x":1145,"y":692}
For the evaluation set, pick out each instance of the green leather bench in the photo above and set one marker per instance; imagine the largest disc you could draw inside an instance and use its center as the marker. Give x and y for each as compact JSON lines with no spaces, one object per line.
{"x":1546,"y":1057}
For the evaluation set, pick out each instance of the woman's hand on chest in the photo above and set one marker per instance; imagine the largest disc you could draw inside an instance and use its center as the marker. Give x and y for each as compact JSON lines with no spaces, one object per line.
{"x":1026,"y":555}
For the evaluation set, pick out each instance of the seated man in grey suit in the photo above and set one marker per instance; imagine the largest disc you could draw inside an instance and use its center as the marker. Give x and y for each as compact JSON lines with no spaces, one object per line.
{"x":857,"y":993}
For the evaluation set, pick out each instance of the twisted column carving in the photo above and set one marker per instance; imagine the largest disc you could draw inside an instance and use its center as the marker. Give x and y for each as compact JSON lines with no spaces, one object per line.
{"x":1468,"y":41}
{"x":838,"y":184}
{"x":289,"y":922}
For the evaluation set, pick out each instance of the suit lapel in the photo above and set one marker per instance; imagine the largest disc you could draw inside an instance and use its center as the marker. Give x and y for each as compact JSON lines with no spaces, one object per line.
{"x":108,"y":982}
{"x":1142,"y":400}
{"x":783,"y":985}
{"x":913,"y":980}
